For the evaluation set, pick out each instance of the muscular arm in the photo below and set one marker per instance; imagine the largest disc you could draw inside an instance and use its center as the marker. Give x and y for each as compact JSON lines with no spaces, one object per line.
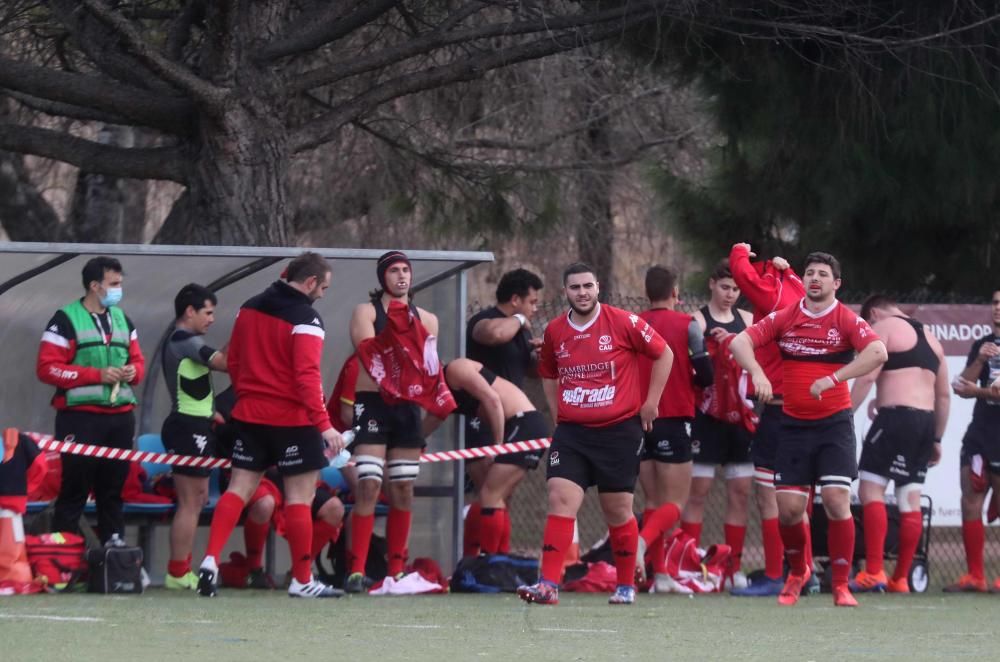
{"x":942,"y":394}
{"x":657,"y":380}
{"x":863,"y":386}
{"x":429,"y":320}
{"x":363,"y":323}
{"x":870,"y":358}
{"x":496,"y":331}
{"x":700,"y":360}
{"x":551,"y":389}
{"x":742,"y":349}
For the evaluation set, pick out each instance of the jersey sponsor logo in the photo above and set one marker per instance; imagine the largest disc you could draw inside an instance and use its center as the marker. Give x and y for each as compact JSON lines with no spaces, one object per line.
{"x":833,"y":334}
{"x":373,"y":425}
{"x":561,"y":353}
{"x":585,"y":370}
{"x":359,"y":409}
{"x":415,"y":390}
{"x":200,"y":441}
{"x":590,"y":397}
{"x":63,"y":374}
{"x":554,"y":459}
{"x":634,"y":319}
{"x":377,"y":368}
{"x":292,"y":450}
{"x":581,"y":336}
{"x":604,"y":343}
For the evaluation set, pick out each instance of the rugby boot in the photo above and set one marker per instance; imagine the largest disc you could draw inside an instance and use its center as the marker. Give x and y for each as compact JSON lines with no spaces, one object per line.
{"x":623,"y":595}
{"x":866,"y":582}
{"x":842,"y":596}
{"x":356,"y":582}
{"x":542,"y":593}
{"x":967,"y":584}
{"x":312,"y":589}
{"x":899,"y":585}
{"x":188,"y":582}
{"x":208,"y":578}
{"x":759,"y":587}
{"x":793,"y":588}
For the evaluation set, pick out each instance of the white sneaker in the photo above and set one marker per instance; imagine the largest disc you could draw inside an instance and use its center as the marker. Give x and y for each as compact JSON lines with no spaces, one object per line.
{"x":739,"y":581}
{"x":663,"y":583}
{"x":314,"y":589}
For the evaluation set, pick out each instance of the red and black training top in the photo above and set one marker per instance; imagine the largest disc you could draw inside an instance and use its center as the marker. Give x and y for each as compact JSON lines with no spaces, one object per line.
{"x":274,"y":360}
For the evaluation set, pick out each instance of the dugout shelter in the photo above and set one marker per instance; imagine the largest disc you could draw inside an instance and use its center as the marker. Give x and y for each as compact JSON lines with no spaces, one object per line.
{"x":38,"y":278}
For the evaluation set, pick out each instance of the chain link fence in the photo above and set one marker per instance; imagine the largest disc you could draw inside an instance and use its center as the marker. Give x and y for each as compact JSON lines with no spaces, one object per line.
{"x":945,"y":552}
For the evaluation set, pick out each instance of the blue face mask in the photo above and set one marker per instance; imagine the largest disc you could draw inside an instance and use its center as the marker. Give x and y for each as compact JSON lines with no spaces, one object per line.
{"x":112,"y":298}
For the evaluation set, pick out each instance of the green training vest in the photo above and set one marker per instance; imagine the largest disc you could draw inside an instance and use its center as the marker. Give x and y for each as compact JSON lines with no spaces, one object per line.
{"x":194,"y":389}
{"x":92,"y":352}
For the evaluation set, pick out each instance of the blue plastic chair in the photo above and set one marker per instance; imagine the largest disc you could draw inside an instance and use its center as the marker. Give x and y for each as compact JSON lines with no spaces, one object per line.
{"x":152,"y":443}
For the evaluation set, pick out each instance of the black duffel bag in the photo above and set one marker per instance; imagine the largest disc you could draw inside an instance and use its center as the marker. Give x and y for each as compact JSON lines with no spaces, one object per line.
{"x":114,"y":569}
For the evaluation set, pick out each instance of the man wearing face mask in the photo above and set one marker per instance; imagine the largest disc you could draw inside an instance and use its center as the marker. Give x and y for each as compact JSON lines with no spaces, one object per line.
{"x":90,"y":353}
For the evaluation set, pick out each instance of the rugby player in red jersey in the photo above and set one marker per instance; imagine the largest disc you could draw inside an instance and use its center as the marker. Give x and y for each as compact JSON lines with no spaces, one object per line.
{"x":665,"y":471}
{"x":768,"y":285}
{"x":913,"y":398}
{"x":818,"y":339}
{"x":590,"y":374}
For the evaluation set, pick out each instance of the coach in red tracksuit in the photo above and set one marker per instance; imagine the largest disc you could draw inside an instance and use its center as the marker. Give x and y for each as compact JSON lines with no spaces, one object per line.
{"x":280,"y":415}
{"x":590,"y":372}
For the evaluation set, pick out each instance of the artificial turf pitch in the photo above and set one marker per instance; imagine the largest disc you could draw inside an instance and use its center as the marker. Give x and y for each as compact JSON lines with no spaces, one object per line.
{"x":256,"y":625}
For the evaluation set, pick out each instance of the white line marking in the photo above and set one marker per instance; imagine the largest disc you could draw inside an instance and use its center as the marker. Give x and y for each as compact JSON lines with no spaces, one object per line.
{"x":42,"y":617}
{"x":586,"y":631}
{"x":408,"y":627}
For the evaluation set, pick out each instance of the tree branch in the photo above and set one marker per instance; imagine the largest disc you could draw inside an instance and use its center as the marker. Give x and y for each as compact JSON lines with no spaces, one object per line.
{"x":313,"y":29}
{"x":172,"y":72}
{"x":59,"y":109}
{"x":444,"y":36}
{"x":136,"y":163}
{"x":323,"y":128}
{"x":101,"y":45}
{"x":138,"y":106}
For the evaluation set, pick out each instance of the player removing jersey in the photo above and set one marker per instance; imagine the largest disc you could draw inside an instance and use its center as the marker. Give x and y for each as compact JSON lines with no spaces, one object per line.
{"x":818,"y":339}
{"x":590,"y":374}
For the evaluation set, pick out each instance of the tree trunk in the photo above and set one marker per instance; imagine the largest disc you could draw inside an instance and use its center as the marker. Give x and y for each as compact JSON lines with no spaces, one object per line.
{"x":24,"y":213}
{"x":595,"y":232}
{"x":238,"y":188}
{"x":108,"y":209}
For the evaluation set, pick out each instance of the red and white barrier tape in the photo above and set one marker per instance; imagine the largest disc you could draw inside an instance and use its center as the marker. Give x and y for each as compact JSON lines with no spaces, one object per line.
{"x":50,"y":443}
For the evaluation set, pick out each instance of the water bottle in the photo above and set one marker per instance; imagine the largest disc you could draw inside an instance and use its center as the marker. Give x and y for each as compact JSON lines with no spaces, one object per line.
{"x":115,"y":541}
{"x":343,"y":457}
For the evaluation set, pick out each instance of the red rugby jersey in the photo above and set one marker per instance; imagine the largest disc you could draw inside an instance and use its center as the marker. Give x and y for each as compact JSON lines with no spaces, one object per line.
{"x":768,"y":289}
{"x":677,"y":400}
{"x":597,"y":365}
{"x":813,"y":345}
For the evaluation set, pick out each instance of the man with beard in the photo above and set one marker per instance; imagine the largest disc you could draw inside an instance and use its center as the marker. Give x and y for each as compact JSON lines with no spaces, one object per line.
{"x":280,"y":416}
{"x":500,"y":338}
{"x":818,"y":339}
{"x":980,"y":459}
{"x":389,"y":435}
{"x":590,"y":373}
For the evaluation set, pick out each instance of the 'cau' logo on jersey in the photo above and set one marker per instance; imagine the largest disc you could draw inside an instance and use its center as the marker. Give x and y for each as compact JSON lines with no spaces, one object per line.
{"x":604,"y":343}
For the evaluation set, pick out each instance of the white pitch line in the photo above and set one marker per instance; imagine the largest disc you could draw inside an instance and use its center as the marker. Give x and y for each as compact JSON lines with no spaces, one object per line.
{"x":408,"y":627}
{"x":576,"y":630}
{"x":42,"y":617}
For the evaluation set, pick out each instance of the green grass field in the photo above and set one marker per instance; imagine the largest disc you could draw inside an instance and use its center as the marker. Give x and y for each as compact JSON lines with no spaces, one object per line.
{"x":246,"y":626}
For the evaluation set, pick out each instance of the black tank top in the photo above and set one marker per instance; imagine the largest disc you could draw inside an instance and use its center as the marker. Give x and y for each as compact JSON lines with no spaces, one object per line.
{"x":381,"y":318}
{"x":468,"y":405}
{"x":735,"y":326}
{"x":919,"y":356}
